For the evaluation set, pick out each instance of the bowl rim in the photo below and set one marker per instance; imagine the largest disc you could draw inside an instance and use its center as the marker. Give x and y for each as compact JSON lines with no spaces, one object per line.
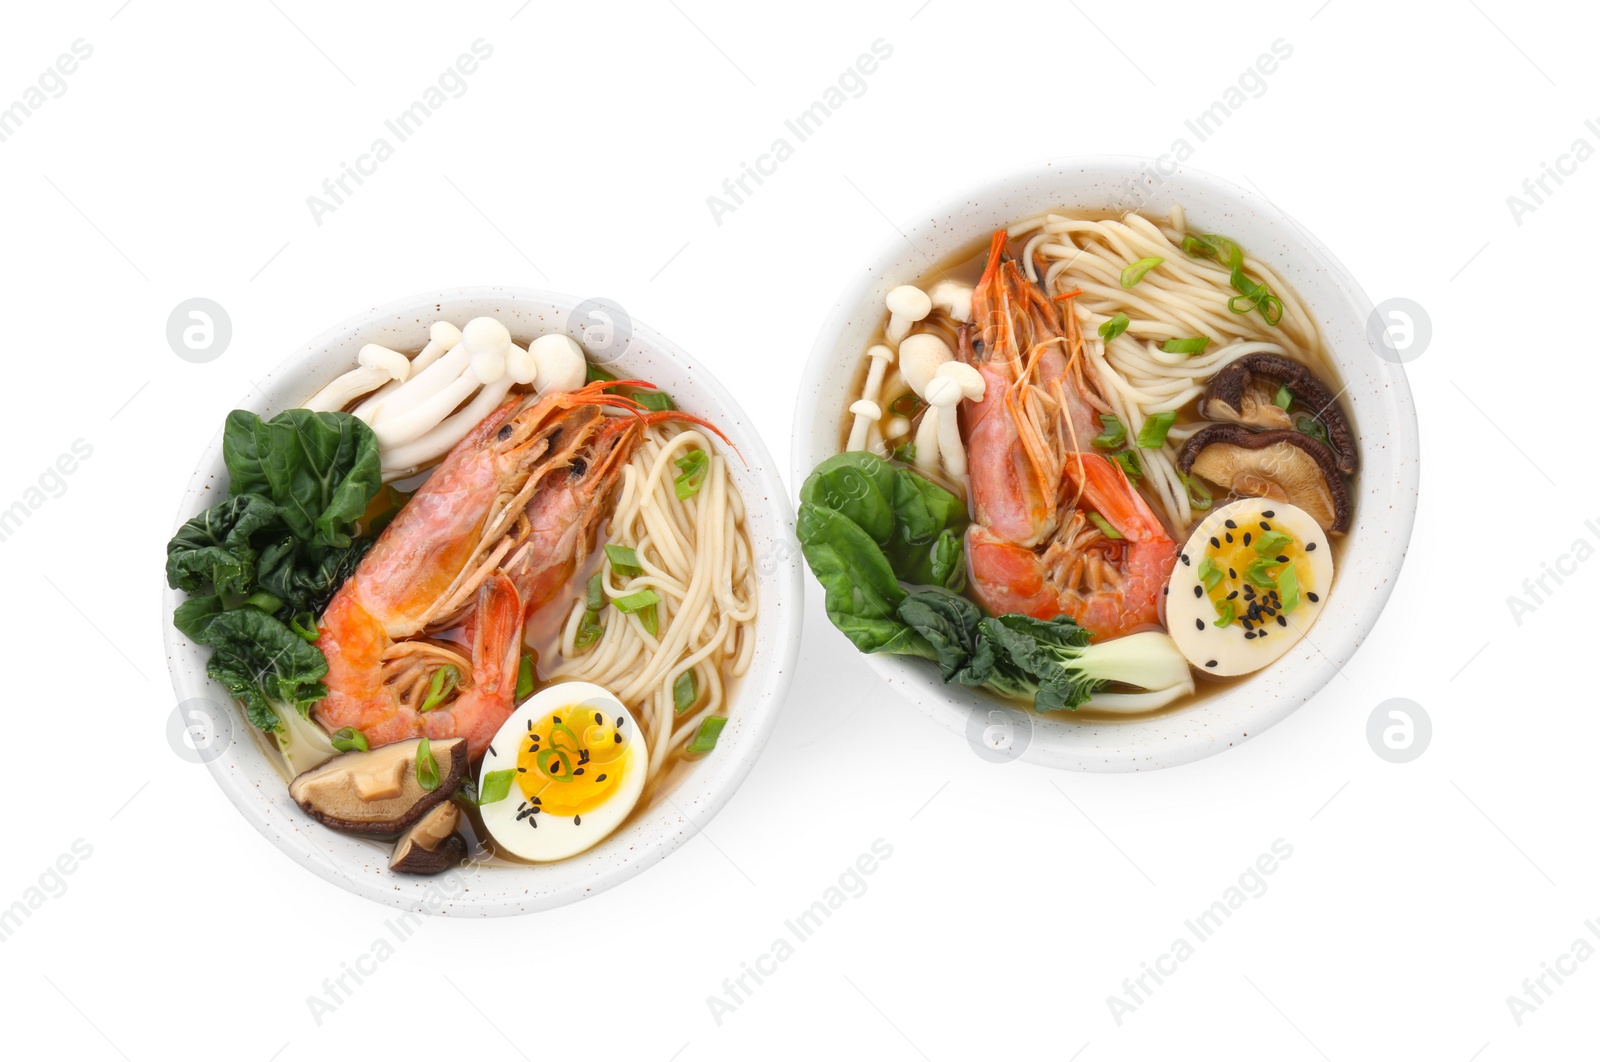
{"x":761,"y":695}
{"x":958,"y":709}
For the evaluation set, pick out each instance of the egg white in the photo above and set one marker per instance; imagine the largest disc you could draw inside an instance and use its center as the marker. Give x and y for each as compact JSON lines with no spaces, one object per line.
{"x":558,"y":837}
{"x":1191,"y":617}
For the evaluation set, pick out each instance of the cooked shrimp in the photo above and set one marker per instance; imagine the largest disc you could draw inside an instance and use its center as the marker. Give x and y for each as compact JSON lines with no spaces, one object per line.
{"x":1037,"y":486}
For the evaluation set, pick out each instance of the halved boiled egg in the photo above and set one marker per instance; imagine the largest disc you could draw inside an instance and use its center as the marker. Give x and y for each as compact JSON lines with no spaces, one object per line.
{"x":576,"y":764}
{"x":1249,"y":583}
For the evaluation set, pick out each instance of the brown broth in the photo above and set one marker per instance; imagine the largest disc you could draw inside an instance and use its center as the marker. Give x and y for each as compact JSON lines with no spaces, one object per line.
{"x":966,"y":265}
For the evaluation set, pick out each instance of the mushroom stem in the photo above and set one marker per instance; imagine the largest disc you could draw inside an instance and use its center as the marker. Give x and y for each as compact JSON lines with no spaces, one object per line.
{"x":442,"y":336}
{"x":927,"y":442}
{"x":867,"y":414}
{"x":438,"y":441}
{"x":376,"y":365}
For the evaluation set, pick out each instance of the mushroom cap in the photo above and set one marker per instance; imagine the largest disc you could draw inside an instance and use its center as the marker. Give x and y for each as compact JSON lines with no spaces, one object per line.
{"x":376,"y":792}
{"x":970,"y":379}
{"x":920,"y":357}
{"x":1244,"y":390}
{"x":432,"y":844}
{"x":562,"y":366}
{"x":881,"y":350}
{"x":954,"y":298}
{"x":1284,"y":465}
{"x":377,"y":356}
{"x":865,"y":407}
{"x":444,"y":333}
{"x":521,"y":365}
{"x":487,"y":342}
{"x":943,"y":392}
{"x":909,"y":301}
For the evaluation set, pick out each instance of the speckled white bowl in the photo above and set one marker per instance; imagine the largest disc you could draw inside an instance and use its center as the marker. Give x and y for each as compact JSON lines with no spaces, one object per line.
{"x":360,"y":866}
{"x":1386,"y":487}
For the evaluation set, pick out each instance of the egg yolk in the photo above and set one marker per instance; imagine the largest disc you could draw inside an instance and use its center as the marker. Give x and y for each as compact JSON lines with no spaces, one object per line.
{"x":1254,"y":574}
{"x":572,"y":760}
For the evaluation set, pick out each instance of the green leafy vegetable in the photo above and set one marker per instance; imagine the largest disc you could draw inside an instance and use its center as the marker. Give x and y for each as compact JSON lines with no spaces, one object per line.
{"x":1115,"y":327}
{"x":1055,"y":658}
{"x":915,"y":524}
{"x":1153,"y":436}
{"x":257,"y":657}
{"x":1192,"y":345}
{"x":656,"y":401}
{"x":624,"y":561}
{"x":705,"y":739}
{"x":496,"y":786}
{"x":305,"y":625}
{"x":685,"y":691}
{"x":1112,"y":432}
{"x":1135,"y":271}
{"x":320,"y":469}
{"x":427,"y":767}
{"x":349,"y":739}
{"x":695,"y":465}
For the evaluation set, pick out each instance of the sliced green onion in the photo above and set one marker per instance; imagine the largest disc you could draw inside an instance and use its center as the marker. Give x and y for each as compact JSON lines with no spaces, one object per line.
{"x":1114,"y":327}
{"x":1272,"y":542}
{"x":1199,"y":496}
{"x":1153,"y":436}
{"x":648,"y":620}
{"x":685,"y":691}
{"x":623,"y":560}
{"x":1258,"y":575}
{"x":305,"y":625}
{"x":593,"y":373}
{"x":1288,"y":588}
{"x":264,"y":601}
{"x":1284,"y":399}
{"x":1129,"y":460}
{"x":1135,"y":271}
{"x":1112,"y":432}
{"x":705,"y":739}
{"x":589,"y":630}
{"x":595,"y":599}
{"x":348,"y":739}
{"x":1224,"y":614}
{"x":427,"y":769}
{"x":443,"y":685}
{"x":655,"y":401}
{"x":1209,"y":573}
{"x":1192,"y":345}
{"x":1104,"y":525}
{"x":906,"y":405}
{"x":906,"y":452}
{"x":496,"y":786}
{"x":1313,"y":427}
{"x":524,"y":676}
{"x":695,"y":464}
{"x":634,"y":602}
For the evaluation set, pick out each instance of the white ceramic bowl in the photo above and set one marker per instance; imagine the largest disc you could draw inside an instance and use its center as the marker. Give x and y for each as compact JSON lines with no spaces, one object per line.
{"x":260,"y":794}
{"x":1386,"y":485}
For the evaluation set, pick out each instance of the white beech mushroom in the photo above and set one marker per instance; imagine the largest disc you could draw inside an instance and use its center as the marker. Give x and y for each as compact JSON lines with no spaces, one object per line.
{"x":442,"y":336}
{"x":479,"y":359}
{"x":920,"y":357}
{"x":970,"y":382}
{"x":375,"y":366}
{"x":907,"y":305}
{"x":562,"y":366}
{"x":954,"y":298}
{"x":870,"y":412}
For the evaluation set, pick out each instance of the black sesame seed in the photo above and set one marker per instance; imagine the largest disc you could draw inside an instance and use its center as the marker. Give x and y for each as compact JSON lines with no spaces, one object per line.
{"x":1197,"y":590}
{"x":492,"y":752}
{"x":1164,"y":590}
{"x":1265,"y":526}
{"x":1229,"y":523}
{"x":599,"y":718}
{"x":536,"y":800}
{"x":1283,"y":621}
{"x":1199,"y":625}
{"x":1215,"y":543}
{"x":522,"y":770}
{"x":1310,"y":546}
{"x":1249,"y":634}
{"x":1232,"y":574}
{"x":1247,"y":538}
{"x":534,"y":823}
{"x":1232,"y":594}
{"x":577,"y":820}
{"x":601,"y":778}
{"x":1281,"y":559}
{"x":1211,"y":663}
{"x":1184,"y":557}
{"x":1227,"y":535}
{"x":1261,"y":633}
{"x":577,"y":772}
{"x":617,"y":738}
{"x":1269,"y":514}
{"x":1314,"y":598}
{"x":557,"y":719}
{"x":619,"y":722}
{"x":530,"y":724}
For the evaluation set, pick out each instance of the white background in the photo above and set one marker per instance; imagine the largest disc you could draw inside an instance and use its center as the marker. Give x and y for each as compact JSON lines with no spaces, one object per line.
{"x":1418,"y":896}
